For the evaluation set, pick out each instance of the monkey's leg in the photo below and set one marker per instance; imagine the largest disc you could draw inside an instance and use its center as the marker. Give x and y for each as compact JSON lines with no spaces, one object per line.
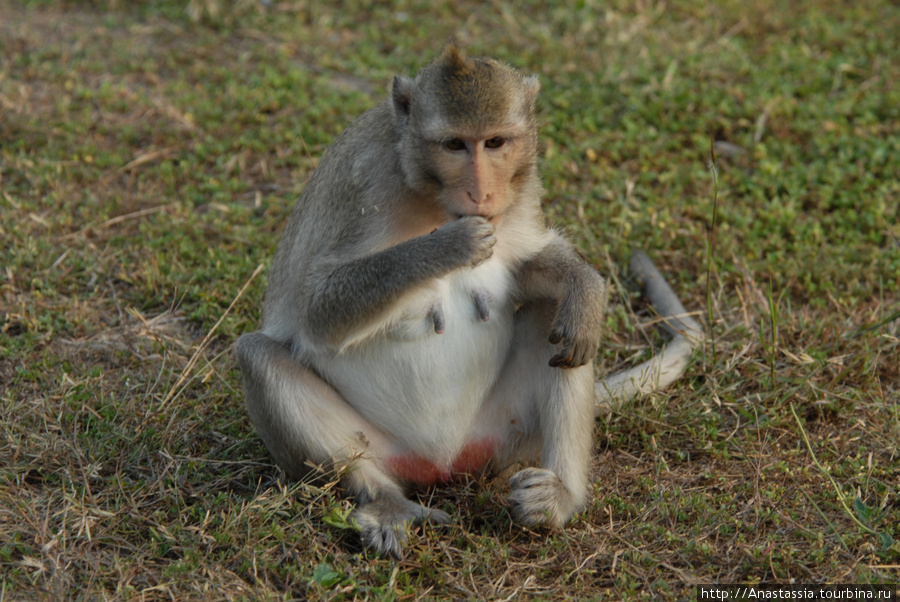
{"x":547,"y":411}
{"x":300,"y":417}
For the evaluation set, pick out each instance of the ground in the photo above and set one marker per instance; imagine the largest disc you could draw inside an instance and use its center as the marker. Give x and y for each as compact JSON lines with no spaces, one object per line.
{"x":150,"y":153}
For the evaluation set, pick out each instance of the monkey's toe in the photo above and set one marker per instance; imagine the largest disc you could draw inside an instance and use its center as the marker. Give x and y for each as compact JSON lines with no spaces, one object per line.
{"x":438,"y":517}
{"x":386,"y":540}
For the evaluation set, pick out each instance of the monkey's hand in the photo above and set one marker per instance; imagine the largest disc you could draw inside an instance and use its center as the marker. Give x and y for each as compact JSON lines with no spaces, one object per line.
{"x":578,"y":325}
{"x":470,"y":240}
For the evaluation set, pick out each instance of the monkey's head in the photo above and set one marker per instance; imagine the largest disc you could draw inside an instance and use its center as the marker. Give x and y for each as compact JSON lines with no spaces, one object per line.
{"x":468,"y":134}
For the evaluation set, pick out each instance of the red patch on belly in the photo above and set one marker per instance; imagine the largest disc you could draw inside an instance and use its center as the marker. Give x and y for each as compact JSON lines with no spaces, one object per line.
{"x":421,"y":471}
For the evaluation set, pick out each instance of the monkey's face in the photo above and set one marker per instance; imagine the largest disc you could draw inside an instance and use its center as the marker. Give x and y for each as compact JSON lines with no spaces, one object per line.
{"x":468,"y":133}
{"x":478,"y":171}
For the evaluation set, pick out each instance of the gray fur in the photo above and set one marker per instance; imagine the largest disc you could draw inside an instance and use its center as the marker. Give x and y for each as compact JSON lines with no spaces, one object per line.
{"x":407,"y":321}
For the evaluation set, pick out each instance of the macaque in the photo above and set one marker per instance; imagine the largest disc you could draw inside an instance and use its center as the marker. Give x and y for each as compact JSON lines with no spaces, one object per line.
{"x":422,"y":321}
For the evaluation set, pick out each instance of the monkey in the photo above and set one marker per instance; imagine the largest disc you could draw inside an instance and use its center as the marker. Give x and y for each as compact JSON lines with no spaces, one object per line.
{"x":422,"y":321}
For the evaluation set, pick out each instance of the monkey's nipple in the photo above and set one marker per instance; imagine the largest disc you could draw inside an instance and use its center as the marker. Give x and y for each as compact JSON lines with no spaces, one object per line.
{"x":482,"y":301}
{"x":436,"y":314}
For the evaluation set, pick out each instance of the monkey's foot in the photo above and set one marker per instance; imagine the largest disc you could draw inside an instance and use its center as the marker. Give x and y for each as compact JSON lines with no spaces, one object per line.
{"x":385,"y":519}
{"x":539,"y":497}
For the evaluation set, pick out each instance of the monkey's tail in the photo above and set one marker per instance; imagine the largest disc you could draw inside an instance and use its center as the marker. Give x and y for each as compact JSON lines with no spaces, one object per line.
{"x":666,"y":367}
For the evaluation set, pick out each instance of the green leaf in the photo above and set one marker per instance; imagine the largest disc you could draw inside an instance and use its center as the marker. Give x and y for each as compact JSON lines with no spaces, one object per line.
{"x":339,"y":518}
{"x":325,"y":576}
{"x":862,"y":511}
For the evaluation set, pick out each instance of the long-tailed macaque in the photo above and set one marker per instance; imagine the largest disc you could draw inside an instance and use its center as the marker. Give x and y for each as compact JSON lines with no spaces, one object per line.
{"x":422,"y":321}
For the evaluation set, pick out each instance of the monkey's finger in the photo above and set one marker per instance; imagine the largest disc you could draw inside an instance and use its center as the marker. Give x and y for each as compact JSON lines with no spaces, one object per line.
{"x":486,"y":239}
{"x":482,"y":229}
{"x":562,"y":334}
{"x":561,"y":360}
{"x":559,"y":338}
{"x":573,"y":355}
{"x":580,"y":356}
{"x":479,"y":219}
{"x":476,"y":223}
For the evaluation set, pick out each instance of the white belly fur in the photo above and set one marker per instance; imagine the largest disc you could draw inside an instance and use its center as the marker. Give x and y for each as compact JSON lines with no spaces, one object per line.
{"x":399,"y":379}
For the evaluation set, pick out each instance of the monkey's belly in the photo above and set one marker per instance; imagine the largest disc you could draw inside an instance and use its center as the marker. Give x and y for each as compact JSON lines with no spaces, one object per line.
{"x":425,"y":389}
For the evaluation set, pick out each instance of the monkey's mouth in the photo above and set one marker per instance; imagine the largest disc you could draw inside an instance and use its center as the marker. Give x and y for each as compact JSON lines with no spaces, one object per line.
{"x":494,"y":219}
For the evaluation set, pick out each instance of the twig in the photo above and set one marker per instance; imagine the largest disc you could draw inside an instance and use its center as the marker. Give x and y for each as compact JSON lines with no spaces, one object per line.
{"x":714,"y":170}
{"x":175,"y":390}
{"x":118,"y":219}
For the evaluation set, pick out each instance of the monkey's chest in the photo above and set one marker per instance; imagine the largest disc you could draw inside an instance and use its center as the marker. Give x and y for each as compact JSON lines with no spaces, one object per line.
{"x":424,"y":378}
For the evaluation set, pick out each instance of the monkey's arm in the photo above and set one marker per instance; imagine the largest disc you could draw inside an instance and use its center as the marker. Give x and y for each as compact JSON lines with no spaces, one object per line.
{"x":559,"y":272}
{"x":352,"y":295}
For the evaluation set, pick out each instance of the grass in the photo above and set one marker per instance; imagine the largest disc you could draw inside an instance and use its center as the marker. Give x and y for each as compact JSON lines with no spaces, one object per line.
{"x":149,"y":155}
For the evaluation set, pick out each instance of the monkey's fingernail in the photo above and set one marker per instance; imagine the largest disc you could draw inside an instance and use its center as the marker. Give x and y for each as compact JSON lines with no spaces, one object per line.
{"x":562,"y":361}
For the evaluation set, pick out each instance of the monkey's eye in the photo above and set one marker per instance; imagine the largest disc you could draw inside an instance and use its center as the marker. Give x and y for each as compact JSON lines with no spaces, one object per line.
{"x":495,"y":142}
{"x":454,"y":145}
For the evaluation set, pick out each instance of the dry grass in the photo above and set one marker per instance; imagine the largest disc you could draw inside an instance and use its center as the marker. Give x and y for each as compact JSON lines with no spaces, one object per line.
{"x":147,"y":162}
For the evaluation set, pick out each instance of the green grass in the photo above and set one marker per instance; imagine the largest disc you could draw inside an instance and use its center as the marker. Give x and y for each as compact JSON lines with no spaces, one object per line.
{"x":150,"y":153}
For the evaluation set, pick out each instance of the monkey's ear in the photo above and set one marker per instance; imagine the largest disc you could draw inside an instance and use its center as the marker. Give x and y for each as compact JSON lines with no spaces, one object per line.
{"x":532,"y":86}
{"x":401,"y":94}
{"x":453,"y":57}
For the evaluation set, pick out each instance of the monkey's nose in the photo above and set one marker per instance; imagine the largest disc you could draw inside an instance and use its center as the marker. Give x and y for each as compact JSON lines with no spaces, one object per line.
{"x":478,"y":198}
